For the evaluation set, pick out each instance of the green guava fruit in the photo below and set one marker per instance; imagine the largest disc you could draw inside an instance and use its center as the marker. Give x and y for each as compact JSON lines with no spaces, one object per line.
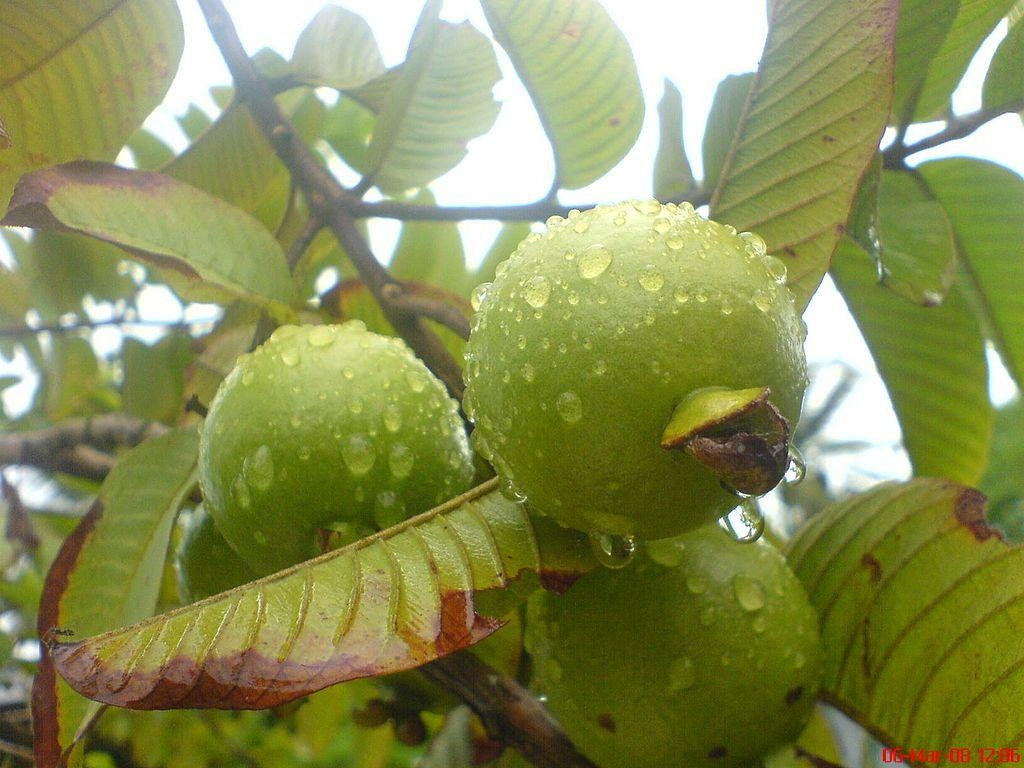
{"x":204,"y":563}
{"x":590,"y":337}
{"x":702,"y":652}
{"x":323,"y":427}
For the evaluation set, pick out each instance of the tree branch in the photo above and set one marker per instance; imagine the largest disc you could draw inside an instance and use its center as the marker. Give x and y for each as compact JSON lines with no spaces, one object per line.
{"x":77,"y":446}
{"x":537,"y":211}
{"x":509,"y":711}
{"x":328,"y":200}
{"x":956,"y":128}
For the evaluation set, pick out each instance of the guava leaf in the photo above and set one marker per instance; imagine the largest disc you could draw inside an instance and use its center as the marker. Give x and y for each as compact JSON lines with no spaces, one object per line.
{"x":673,"y":176}
{"x":153,"y":376}
{"x":1004,"y":81}
{"x":809,"y":130}
{"x":723,"y":123}
{"x":232,"y":160}
{"x":920,"y":604}
{"x":511,"y":234}
{"x":107,"y":63}
{"x":431,"y":252}
{"x":917,"y":251}
{"x":984,"y":203}
{"x":1003,"y":483}
{"x":974,"y":21}
{"x":579,"y":71}
{"x":337,"y":49}
{"x":161,"y":221}
{"x":435,"y":584}
{"x":437,"y":101}
{"x":108,"y":572}
{"x":920,"y":32}
{"x":932,"y":361}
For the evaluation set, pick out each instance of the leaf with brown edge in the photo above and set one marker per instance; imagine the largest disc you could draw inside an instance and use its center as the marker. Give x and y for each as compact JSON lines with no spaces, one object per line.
{"x":921,"y":605}
{"x":107,"y":574}
{"x":435,"y":584}
{"x":809,"y":130}
{"x":161,"y":221}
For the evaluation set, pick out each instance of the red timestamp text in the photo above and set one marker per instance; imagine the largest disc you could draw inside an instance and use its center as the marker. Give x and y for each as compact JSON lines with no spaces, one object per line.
{"x":954,"y":755}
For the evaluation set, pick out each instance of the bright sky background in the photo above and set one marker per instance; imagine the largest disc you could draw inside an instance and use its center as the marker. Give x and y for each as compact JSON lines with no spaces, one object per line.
{"x":695,"y":43}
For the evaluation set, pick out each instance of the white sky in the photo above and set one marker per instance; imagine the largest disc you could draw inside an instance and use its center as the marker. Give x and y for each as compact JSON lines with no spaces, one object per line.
{"x":695,"y":43}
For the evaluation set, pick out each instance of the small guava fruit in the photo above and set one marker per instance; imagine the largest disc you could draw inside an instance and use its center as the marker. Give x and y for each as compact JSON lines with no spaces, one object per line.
{"x":326,"y":427}
{"x":204,"y":563}
{"x":701,"y":652}
{"x":591,"y":336}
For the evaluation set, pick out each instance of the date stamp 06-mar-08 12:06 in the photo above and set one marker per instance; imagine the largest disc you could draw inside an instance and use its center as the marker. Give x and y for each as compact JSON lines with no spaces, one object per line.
{"x":959,"y":755}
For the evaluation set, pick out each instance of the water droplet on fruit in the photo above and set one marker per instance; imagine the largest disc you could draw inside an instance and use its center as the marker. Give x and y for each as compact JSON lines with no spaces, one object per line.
{"x":527,"y":371}
{"x":321,"y":336}
{"x":392,"y":418}
{"x":510,"y":491}
{"x":682,"y":296}
{"x":581,"y":226}
{"x":707,"y":616}
{"x":478,"y":295}
{"x":593,"y":261}
{"x":400,"y":460}
{"x":611,"y":550}
{"x":600,"y":367}
{"x":675,"y":242}
{"x":745,"y":524}
{"x":240,"y":490}
{"x":620,"y":219}
{"x":536,"y":291}
{"x":415,"y":381}
{"x":247,"y":378}
{"x":648,"y":207}
{"x":304,"y":452}
{"x":358,"y":454}
{"x":749,"y":592}
{"x":569,"y":407}
{"x":290,"y":356}
{"x":762,"y":300}
{"x":388,"y":509}
{"x":799,"y":660}
{"x":650,"y":278}
{"x":777,"y":269}
{"x":258,"y":468}
{"x":667,"y":552}
{"x":681,"y":674}
{"x":552,"y":221}
{"x":797,"y":469}
{"x":662,"y":225}
{"x":759,"y":624}
{"x":696,"y":583}
{"x":754,"y":244}
{"x":295,"y":420}
{"x":355,"y":405}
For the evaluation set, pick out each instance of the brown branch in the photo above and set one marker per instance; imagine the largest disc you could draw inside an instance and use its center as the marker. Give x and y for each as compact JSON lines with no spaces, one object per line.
{"x":440,"y":311}
{"x":328,"y":200}
{"x":537,"y":211}
{"x":77,"y":446}
{"x":956,"y":128}
{"x":302,"y":241}
{"x":510,"y":713}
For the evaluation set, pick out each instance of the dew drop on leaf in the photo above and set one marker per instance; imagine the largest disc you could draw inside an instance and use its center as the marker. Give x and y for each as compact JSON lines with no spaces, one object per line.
{"x":745,"y":524}
{"x":611,"y":550}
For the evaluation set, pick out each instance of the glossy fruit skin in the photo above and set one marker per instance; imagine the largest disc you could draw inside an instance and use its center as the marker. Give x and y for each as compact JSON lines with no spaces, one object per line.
{"x":326,"y":426}
{"x":703,"y":652}
{"x":204,"y":563}
{"x":593,"y":332}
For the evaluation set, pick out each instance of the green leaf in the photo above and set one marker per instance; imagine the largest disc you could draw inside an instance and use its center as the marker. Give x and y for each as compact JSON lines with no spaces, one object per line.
{"x":579,"y":71}
{"x":917,"y":251}
{"x":337,"y":49}
{"x":1004,"y":82}
{"x":919,"y":602}
{"x":153,"y":375}
{"x":974,"y":22}
{"x":233,"y":161}
{"x":347,"y":129}
{"x":431,"y":252}
{"x":984,"y":202}
{"x":512,"y":233}
{"x":809,"y":130}
{"x":673,"y":177}
{"x":932,"y":360}
{"x":723,"y":123}
{"x":108,"y":571}
{"x":162,"y":221}
{"x":217,"y":357}
{"x":920,"y":32}
{"x":1003,"y":482}
{"x":435,"y":584}
{"x":440,"y":99}
{"x":79,"y":78}
{"x":72,"y":379}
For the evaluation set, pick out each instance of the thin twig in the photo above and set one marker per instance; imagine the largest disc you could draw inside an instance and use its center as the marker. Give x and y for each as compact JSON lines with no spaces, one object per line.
{"x":440,"y":311}
{"x":18,"y":750}
{"x":77,"y":446}
{"x":956,"y":128}
{"x":327,"y":199}
{"x":302,"y":241}
{"x":536,"y":211}
{"x":510,"y":713}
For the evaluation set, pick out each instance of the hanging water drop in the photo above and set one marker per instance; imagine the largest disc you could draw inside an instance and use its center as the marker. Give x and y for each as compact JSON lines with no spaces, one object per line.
{"x":745,"y":524}
{"x":797,"y":469}
{"x":611,"y":550}
{"x":478,"y":295}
